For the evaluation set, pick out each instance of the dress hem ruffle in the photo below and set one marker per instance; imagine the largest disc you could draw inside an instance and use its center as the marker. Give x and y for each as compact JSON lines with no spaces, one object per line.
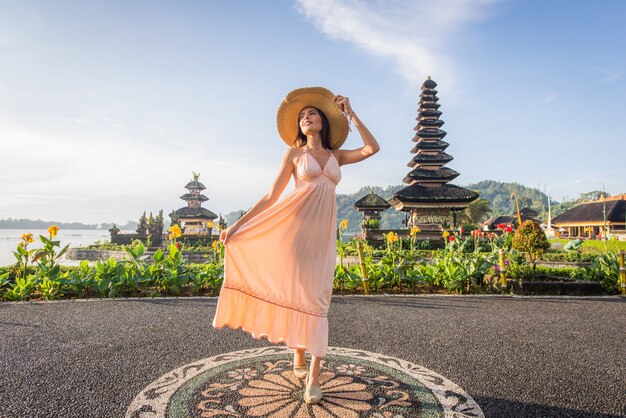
{"x":236,"y":309}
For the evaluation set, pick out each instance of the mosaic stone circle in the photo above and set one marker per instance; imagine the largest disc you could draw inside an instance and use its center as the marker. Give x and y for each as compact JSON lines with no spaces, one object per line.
{"x":260,"y":383}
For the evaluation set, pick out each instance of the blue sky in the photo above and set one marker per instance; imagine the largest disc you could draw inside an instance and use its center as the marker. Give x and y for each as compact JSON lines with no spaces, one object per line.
{"x":106,"y":107}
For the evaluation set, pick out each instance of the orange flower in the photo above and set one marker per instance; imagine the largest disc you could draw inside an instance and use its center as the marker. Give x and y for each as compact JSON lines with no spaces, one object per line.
{"x":392,"y":237}
{"x":53,"y":231}
{"x":176,"y":232}
{"x":27,"y":238}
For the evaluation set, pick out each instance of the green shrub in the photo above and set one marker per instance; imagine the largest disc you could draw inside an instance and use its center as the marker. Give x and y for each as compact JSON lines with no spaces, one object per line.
{"x":530,"y":239}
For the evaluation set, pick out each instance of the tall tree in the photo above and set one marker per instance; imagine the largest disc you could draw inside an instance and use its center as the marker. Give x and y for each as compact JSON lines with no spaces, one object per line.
{"x":477,"y":211}
{"x":142,"y":227}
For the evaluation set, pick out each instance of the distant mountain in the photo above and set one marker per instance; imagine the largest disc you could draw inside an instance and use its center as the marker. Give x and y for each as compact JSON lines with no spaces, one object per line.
{"x":390,"y":218}
{"x":499,"y":194}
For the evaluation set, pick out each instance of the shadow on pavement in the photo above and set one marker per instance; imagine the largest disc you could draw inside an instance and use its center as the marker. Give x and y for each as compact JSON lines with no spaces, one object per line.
{"x":434,"y":302}
{"x":505,"y":408}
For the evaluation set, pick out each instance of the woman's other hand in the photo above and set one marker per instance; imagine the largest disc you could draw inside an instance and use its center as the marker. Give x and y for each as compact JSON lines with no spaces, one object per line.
{"x":227,"y":233}
{"x":343,"y":103}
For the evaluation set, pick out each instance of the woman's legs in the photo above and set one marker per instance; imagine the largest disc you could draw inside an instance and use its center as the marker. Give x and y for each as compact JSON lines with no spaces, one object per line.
{"x":314,"y":370}
{"x":298,"y":357}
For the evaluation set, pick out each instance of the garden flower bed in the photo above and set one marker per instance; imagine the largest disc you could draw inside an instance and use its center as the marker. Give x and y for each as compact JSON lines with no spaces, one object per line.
{"x":466,"y":265}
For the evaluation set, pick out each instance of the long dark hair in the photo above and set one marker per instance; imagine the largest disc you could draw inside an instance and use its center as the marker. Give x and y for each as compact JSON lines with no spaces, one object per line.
{"x":301,"y":139}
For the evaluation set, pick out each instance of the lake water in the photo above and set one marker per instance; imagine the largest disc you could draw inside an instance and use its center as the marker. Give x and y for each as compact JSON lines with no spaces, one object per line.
{"x":9,"y":238}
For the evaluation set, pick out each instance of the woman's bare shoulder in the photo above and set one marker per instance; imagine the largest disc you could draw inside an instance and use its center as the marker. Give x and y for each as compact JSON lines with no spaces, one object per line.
{"x":292,"y":153}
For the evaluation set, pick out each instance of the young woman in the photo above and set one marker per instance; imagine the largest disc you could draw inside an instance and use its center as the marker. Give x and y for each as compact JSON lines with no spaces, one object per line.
{"x":280,"y":257}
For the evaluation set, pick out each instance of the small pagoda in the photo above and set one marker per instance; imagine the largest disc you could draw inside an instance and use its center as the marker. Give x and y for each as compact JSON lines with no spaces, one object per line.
{"x":194,"y":219}
{"x":371,"y":205}
{"x":430,"y":202}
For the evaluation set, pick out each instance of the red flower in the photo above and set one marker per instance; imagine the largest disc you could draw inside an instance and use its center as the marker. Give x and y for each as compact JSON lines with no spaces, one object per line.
{"x":178,"y":245}
{"x":451,"y":238}
{"x":501,"y":226}
{"x":509,"y":229}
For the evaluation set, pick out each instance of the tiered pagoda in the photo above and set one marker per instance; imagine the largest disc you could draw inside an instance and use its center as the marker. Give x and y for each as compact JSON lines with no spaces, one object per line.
{"x":371,"y":205}
{"x":430,"y":202}
{"x":194,"y":219}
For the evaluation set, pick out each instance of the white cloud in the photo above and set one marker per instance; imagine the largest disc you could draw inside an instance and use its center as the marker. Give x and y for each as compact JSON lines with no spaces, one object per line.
{"x":413,"y":35}
{"x":105,"y":175}
{"x":607,"y":76}
{"x":549,"y":96}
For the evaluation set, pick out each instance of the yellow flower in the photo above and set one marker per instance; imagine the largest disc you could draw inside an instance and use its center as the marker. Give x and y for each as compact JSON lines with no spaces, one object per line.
{"x":53,"y":231}
{"x":215,"y":244}
{"x":175,"y":231}
{"x":28,"y":238}
{"x":343,"y":224}
{"x":445,"y":234}
{"x":171,"y":236}
{"x":415,"y":230}
{"x":210,"y":224}
{"x":392,"y":237}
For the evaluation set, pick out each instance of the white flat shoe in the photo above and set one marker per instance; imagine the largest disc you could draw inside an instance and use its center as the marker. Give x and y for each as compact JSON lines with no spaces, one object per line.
{"x":301,"y":371}
{"x":312,"y":394}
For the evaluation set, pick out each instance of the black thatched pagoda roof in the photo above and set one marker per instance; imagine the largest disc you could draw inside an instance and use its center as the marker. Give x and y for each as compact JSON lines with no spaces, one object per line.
{"x":372,"y":201}
{"x":531,"y":213}
{"x":429,"y":123}
{"x":593,"y":212}
{"x":492,"y":223}
{"x":428,"y":99}
{"x":444,"y":174}
{"x":195,"y":185}
{"x":424,"y":194}
{"x":190,"y":196}
{"x":427,"y":159}
{"x":430,"y":146}
{"x":430,"y":133}
{"x":430,"y":105}
{"x":428,"y":93}
{"x":429,"y":84}
{"x":188,"y":212}
{"x":426,"y":114}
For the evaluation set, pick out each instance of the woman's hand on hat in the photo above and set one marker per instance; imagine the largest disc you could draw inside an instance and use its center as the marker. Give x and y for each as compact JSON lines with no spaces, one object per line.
{"x":343,"y":103}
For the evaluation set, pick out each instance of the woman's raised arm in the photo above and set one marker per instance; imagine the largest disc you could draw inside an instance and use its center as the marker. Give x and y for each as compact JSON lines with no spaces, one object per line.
{"x":370,"y":146}
{"x":284,"y":174}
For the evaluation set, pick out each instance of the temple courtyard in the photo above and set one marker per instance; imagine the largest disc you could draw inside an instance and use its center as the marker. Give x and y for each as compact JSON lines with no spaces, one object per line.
{"x":389,"y":356}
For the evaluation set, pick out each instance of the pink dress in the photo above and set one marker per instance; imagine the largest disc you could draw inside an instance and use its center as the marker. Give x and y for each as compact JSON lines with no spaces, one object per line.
{"x":279,"y":266}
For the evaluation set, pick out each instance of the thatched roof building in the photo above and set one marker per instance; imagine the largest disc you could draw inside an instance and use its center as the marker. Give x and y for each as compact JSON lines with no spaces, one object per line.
{"x":588,"y":219}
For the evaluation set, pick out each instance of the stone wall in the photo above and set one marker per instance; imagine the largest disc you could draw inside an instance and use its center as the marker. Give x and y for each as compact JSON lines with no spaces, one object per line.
{"x":103,"y":255}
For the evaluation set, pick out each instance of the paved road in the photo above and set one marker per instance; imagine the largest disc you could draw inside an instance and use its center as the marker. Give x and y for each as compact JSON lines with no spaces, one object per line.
{"x":516,"y":356}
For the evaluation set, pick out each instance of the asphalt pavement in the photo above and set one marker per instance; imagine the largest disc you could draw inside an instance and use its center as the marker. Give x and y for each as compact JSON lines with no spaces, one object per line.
{"x":516,"y":356}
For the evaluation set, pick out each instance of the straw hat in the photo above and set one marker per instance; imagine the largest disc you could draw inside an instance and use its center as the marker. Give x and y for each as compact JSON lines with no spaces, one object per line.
{"x":287,"y":118}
